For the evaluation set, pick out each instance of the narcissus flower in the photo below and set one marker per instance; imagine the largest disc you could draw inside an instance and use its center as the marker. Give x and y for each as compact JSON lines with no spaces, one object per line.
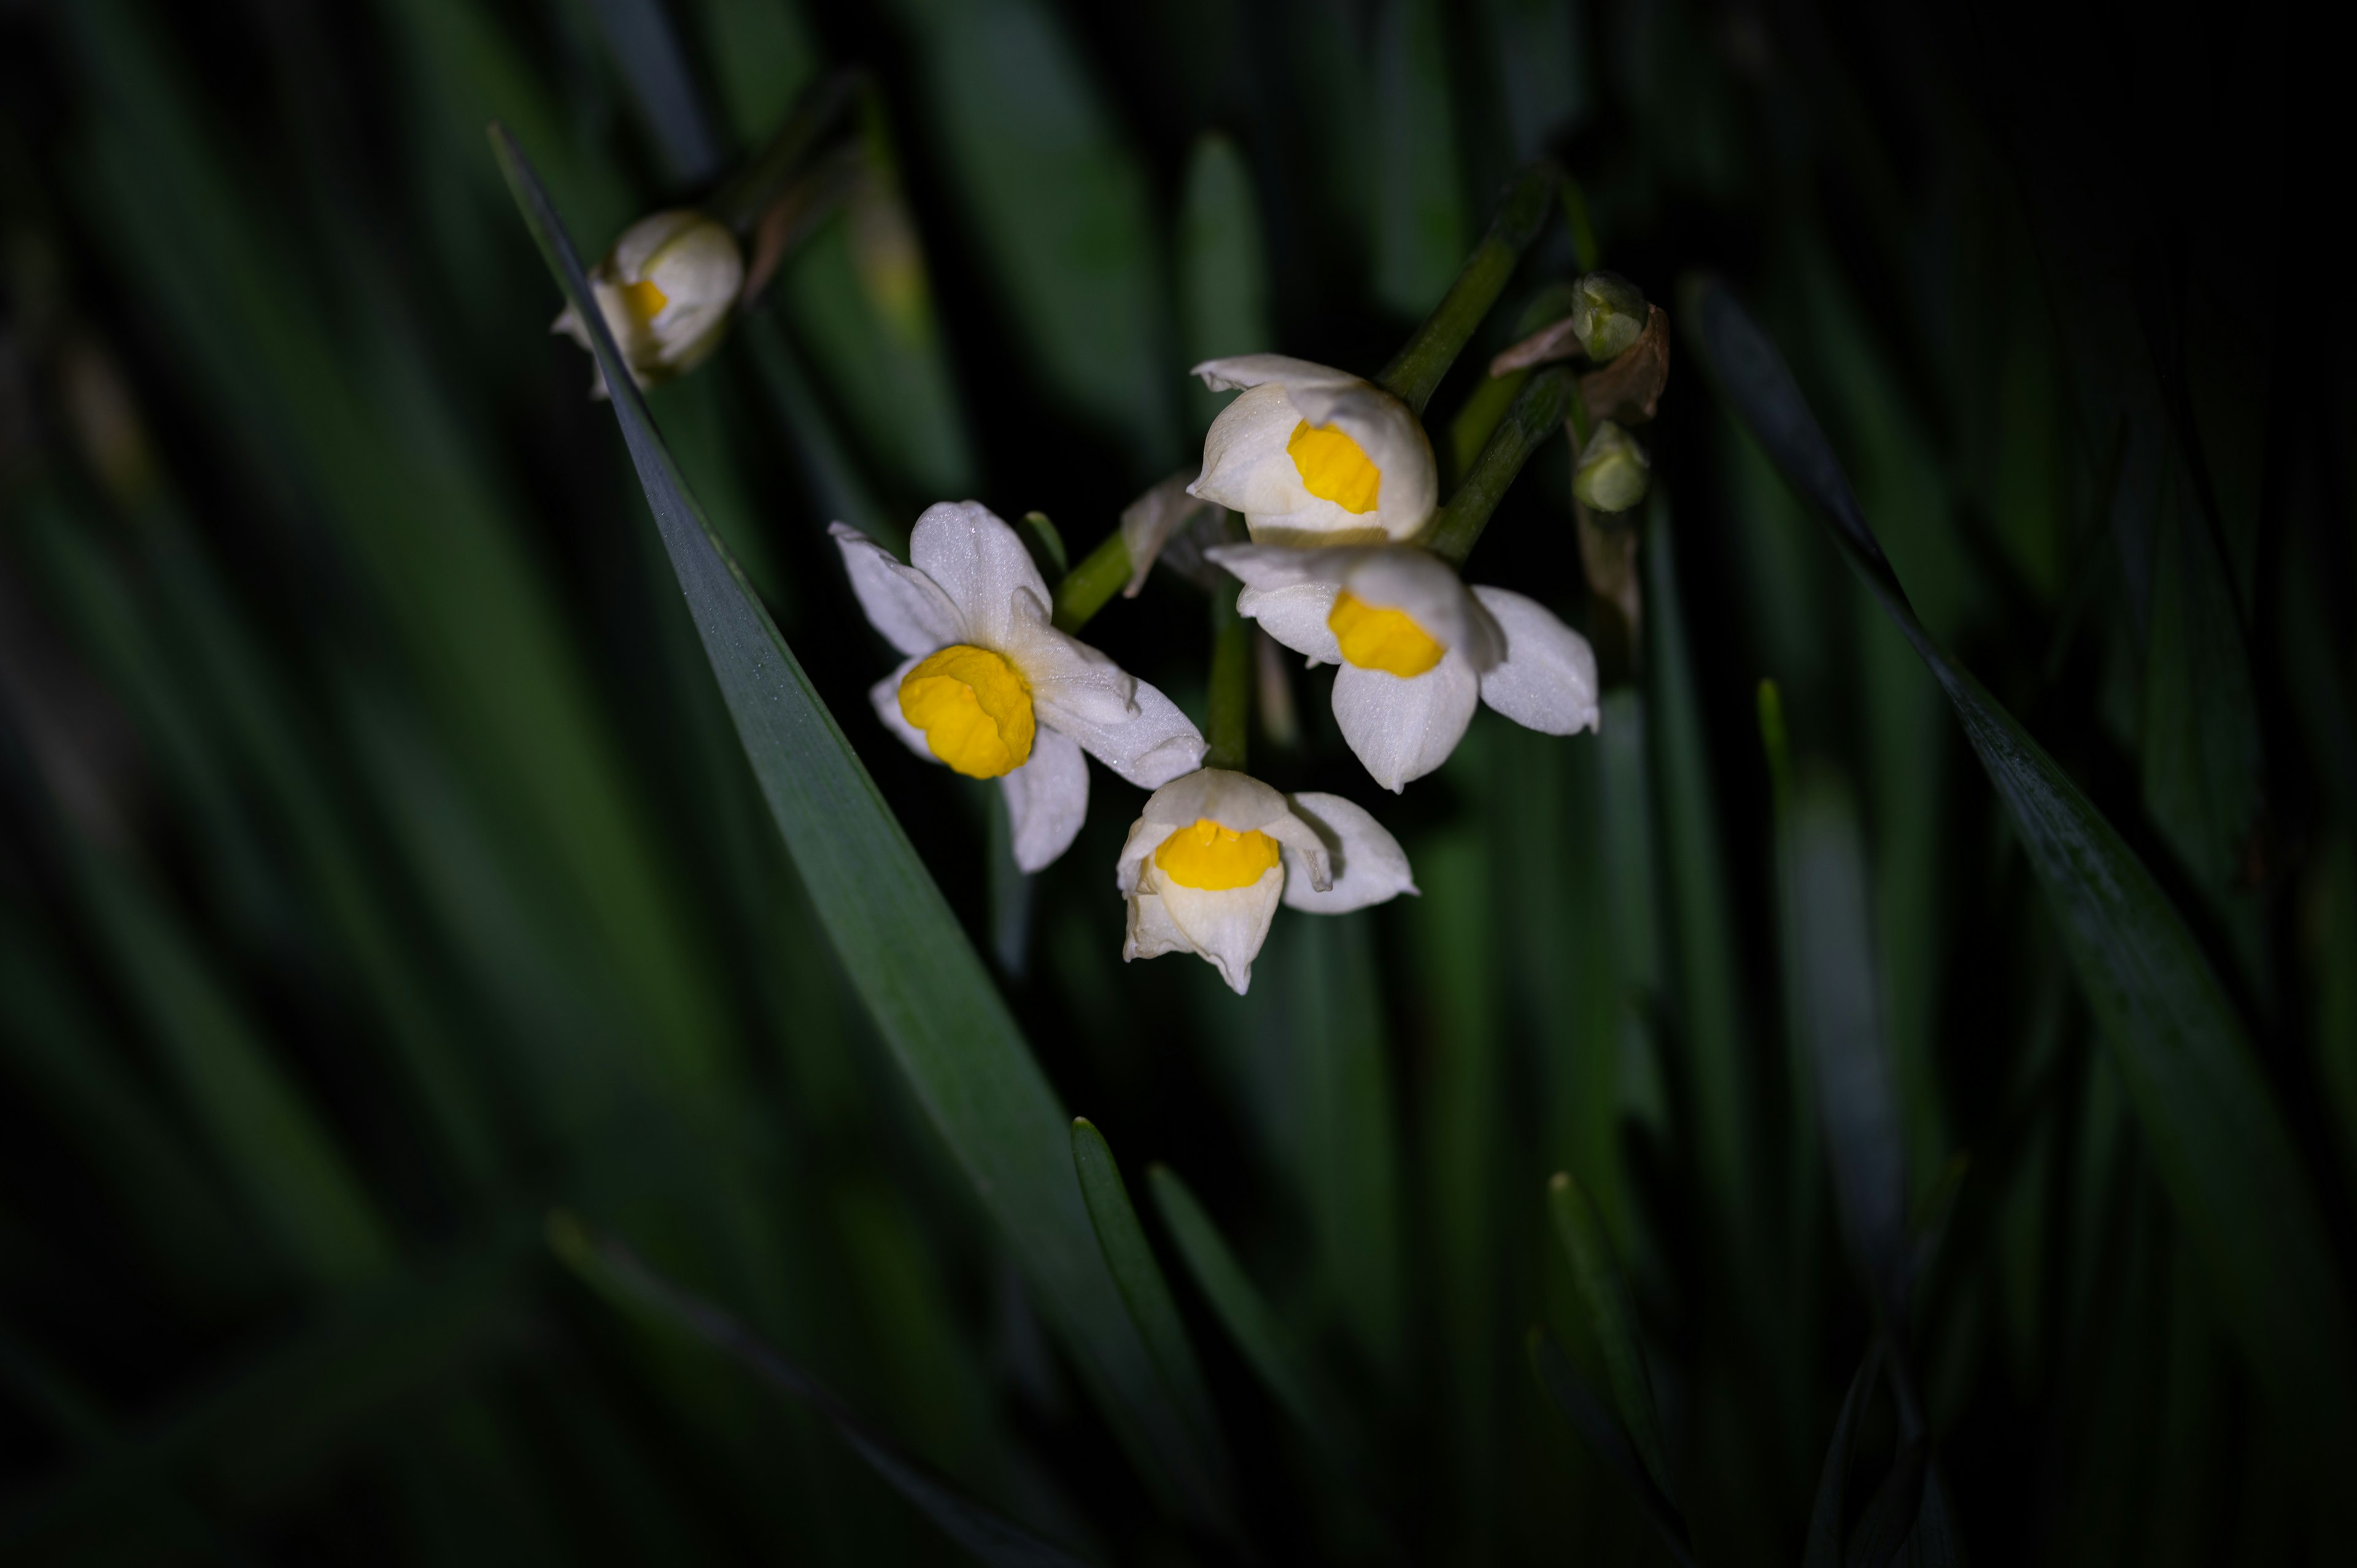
{"x":1314,"y":456}
{"x":1214,"y":853}
{"x":665,"y":289}
{"x":1418,"y":649}
{"x":991,"y":688}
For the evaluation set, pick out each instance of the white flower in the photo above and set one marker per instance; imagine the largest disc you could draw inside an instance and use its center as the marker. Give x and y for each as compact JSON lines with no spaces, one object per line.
{"x":666,"y":290}
{"x":1418,"y":649}
{"x":1314,"y":456}
{"x":1212,"y":854}
{"x":991,"y":688}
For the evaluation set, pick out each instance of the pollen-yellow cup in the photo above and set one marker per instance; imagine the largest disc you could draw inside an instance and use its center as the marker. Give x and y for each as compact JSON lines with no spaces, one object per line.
{"x":974,"y":708}
{"x":1383,"y":640}
{"x":1333,"y":468}
{"x":1209,"y":858}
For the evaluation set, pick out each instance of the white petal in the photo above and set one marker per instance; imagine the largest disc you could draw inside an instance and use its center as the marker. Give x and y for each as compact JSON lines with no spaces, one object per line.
{"x":1277,"y":566}
{"x":628,"y":260}
{"x":1422,"y":586}
{"x":1226,"y":926}
{"x":1154,"y":745}
{"x":1402,"y":730}
{"x":906,"y":606}
{"x":1370,"y":867}
{"x":1547,"y":679}
{"x":980,"y":563}
{"x":1073,"y":685}
{"x":1047,"y":799}
{"x":1248,"y":469}
{"x":1147,"y":524}
{"x":1245,"y":465}
{"x":1297,"y":617}
{"x":1303,"y":852}
{"x":1152,"y":932}
{"x":1237,"y":801}
{"x":884,"y":698}
{"x":1258,"y":369}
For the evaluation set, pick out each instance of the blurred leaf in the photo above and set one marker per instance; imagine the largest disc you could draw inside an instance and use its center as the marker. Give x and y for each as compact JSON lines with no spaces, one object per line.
{"x":2200,"y":731}
{"x":1823,"y":1547}
{"x":639,"y":37}
{"x":1267,"y":1346}
{"x":1222,"y":266}
{"x":2220,"y":1147}
{"x":1141,"y":1283}
{"x":290,"y":1413}
{"x":616,"y":1270}
{"x":1420,"y":220}
{"x":1613,"y":1317}
{"x":291,"y":1166}
{"x":762,"y":56}
{"x":1569,"y":1396}
{"x":1543,"y":67}
{"x":926,"y":989}
{"x":1060,"y":206}
{"x":1830,"y":956}
{"x":1709,"y":970}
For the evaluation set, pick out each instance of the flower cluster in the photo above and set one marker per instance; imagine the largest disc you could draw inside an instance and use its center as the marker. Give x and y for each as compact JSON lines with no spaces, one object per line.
{"x":1335,"y":480}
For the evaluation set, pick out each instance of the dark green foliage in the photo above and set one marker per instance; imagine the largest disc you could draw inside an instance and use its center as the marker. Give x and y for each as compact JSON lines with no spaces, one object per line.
{"x":429,"y":798}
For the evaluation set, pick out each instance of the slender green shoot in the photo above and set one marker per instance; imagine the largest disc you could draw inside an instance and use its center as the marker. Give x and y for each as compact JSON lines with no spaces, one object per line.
{"x":1418,"y":367}
{"x":1091,"y":585}
{"x":1528,"y":425}
{"x":1229,"y":729}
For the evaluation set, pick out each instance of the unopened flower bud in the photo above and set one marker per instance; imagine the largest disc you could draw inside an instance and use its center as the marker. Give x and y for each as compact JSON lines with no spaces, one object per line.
{"x":1610,"y":316}
{"x":1612,"y":471}
{"x":666,"y":290}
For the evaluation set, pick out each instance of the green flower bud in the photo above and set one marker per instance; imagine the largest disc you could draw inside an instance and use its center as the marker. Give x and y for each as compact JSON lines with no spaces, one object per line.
{"x":1612,"y":471}
{"x":1610,"y":315}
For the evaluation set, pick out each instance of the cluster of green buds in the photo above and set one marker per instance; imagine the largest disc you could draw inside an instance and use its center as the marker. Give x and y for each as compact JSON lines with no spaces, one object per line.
{"x":1611,"y":324}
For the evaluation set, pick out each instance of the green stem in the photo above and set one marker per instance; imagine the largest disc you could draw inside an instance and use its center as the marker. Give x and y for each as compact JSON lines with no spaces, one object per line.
{"x":1229,"y":730}
{"x":1418,"y":367}
{"x":1533,"y":419}
{"x":1089,"y":586}
{"x":745,"y":195}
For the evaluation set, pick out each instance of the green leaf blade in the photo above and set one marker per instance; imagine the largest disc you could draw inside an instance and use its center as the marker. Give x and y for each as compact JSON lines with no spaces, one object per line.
{"x":1614,"y":1318}
{"x":2219,"y":1142}
{"x":924,"y":985}
{"x":1143,"y":1287}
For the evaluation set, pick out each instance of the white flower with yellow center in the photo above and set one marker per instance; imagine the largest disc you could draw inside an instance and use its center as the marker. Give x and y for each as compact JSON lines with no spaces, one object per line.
{"x":1315,"y":456}
{"x":666,"y":290}
{"x":1213,"y":854}
{"x":1418,"y":649}
{"x":991,"y":688}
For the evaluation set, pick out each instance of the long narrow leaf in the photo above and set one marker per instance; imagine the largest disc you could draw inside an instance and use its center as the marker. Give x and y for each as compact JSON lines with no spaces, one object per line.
{"x":1142,"y":1286}
{"x":1596,"y":1425}
{"x":1614,"y":1318}
{"x":1257,"y":1331}
{"x":2217,"y":1139}
{"x":989,"y":1535}
{"x":931,"y":999}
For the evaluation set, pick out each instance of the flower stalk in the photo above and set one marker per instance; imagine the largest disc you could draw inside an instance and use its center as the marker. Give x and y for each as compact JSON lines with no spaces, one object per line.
{"x":1537,"y":413}
{"x":1229,"y":723}
{"x":1091,"y":585}
{"x":1418,"y":367}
